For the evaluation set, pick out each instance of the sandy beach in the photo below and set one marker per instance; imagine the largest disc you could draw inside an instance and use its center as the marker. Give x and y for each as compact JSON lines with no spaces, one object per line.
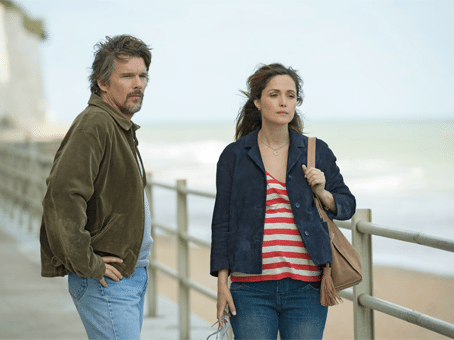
{"x":425,"y":293}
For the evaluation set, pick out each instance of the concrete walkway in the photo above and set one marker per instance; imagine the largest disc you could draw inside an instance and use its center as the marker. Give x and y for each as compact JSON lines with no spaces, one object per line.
{"x":32,"y":307}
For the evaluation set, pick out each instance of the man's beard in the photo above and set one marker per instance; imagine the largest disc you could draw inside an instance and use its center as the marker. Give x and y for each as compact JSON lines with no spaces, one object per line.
{"x":131,"y":108}
{"x":134,"y":107}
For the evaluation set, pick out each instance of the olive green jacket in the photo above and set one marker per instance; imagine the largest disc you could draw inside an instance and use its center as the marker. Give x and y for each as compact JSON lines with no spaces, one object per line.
{"x":94,"y":203}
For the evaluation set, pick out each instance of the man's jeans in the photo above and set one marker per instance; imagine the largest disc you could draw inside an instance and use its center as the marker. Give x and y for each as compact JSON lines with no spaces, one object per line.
{"x":114,"y":312}
{"x":290,"y":306}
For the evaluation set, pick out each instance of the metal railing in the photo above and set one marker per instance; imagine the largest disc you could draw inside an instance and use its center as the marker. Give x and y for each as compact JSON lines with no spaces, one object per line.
{"x":24,"y":167}
{"x":185,"y":284}
{"x":364,"y":303}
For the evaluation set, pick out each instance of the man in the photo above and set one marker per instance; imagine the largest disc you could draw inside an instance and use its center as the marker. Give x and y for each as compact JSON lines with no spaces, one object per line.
{"x":96,"y":221}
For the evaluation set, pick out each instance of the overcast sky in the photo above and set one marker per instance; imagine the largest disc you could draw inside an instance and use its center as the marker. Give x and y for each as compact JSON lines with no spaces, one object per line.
{"x":358,"y":59}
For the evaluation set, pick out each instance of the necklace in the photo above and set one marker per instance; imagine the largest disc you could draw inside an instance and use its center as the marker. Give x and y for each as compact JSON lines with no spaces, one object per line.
{"x":275,"y":150}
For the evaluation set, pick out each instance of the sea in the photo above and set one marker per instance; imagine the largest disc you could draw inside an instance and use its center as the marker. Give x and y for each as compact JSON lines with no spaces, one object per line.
{"x":402,"y":170}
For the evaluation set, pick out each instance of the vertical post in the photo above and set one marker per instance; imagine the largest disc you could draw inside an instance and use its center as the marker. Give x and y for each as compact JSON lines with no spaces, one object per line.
{"x":30,"y":194}
{"x":24,"y":156}
{"x":10,"y":179}
{"x":364,"y":324}
{"x":15,"y":187}
{"x":152,"y":291}
{"x":4,"y":178}
{"x":183,"y":260}
{"x":40,"y":183}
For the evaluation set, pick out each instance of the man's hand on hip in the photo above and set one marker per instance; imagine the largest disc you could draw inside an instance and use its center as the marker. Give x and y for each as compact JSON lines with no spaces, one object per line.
{"x":111,"y":271}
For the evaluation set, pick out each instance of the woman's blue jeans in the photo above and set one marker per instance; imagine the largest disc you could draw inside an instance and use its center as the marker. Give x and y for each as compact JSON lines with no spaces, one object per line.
{"x":289,"y":306}
{"x":114,"y":312}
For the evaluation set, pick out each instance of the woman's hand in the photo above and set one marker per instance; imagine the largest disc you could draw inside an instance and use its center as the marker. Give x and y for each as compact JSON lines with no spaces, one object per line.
{"x":316,"y":180}
{"x":224,"y":296}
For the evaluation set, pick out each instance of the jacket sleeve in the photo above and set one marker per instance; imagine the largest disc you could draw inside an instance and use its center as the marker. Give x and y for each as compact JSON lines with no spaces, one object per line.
{"x":70,"y":186}
{"x":345,"y":201}
{"x":221,"y":214}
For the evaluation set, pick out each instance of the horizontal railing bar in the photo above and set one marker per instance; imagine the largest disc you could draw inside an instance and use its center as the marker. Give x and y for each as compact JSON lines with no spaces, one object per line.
{"x":197,"y":193}
{"x":165,"y":269}
{"x":200,"y":288}
{"x":185,"y":236}
{"x":187,"y":282}
{"x":24,"y":155}
{"x":407,"y":236}
{"x":196,"y":240}
{"x":411,"y":316}
{"x":30,"y":202}
{"x":163,"y":185}
{"x":183,"y":190}
{"x":347,"y":294}
{"x":164,"y":228}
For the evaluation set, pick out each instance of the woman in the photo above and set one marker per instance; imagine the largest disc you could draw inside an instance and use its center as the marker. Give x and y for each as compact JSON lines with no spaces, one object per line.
{"x":266,"y":231}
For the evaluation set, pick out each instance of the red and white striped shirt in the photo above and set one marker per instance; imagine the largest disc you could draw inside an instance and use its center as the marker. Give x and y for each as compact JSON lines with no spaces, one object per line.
{"x":284,"y":254}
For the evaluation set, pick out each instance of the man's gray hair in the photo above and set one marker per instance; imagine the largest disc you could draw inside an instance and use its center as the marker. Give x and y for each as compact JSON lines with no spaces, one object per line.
{"x":113,"y":49}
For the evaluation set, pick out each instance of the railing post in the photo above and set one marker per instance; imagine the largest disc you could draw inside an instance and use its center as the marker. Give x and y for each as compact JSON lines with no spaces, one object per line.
{"x":22,"y":182}
{"x":4,"y":177}
{"x":152,"y":291}
{"x":15,"y":204}
{"x":11,"y":180}
{"x":364,"y":324}
{"x":183,"y":261}
{"x":30,"y":182}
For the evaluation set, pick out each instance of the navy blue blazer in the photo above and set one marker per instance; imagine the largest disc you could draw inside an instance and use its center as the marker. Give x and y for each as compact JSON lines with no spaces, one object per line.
{"x":239,"y":211}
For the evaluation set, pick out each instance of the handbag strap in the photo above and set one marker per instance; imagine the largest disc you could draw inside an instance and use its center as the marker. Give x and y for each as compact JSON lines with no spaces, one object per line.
{"x":311,"y":163}
{"x":311,"y":152}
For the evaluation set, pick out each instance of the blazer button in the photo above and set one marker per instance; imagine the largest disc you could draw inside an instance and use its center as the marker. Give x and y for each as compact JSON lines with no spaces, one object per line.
{"x":297,"y":205}
{"x":306,"y":233}
{"x":289,"y":177}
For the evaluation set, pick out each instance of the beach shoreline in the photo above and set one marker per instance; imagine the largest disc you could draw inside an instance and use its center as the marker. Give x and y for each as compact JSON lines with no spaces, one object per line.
{"x":426,"y":293}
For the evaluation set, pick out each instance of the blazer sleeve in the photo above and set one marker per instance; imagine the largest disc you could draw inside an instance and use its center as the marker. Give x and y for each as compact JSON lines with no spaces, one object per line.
{"x":221,"y":214}
{"x":345,"y":201}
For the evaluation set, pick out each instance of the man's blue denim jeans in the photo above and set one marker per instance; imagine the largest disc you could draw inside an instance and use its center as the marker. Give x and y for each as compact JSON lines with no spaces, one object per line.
{"x":290,"y":306}
{"x":114,"y":312}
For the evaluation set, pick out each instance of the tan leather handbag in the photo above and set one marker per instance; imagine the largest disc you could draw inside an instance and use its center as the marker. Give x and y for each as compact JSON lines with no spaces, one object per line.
{"x":345,"y":270}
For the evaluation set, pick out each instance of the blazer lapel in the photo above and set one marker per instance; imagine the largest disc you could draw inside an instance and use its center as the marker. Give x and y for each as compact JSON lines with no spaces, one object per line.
{"x":296,"y":149}
{"x":254,"y":151}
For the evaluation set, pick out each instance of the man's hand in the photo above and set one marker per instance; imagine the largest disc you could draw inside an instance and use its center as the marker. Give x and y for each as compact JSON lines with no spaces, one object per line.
{"x":111,"y":271}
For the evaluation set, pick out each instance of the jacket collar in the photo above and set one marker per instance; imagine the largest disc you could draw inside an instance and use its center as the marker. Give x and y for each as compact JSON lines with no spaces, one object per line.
{"x":124,"y":123}
{"x":250,"y":143}
{"x":296,"y":148}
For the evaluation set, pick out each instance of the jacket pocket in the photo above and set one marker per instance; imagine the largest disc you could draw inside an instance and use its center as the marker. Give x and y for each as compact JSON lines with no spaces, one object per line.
{"x":104,"y":230}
